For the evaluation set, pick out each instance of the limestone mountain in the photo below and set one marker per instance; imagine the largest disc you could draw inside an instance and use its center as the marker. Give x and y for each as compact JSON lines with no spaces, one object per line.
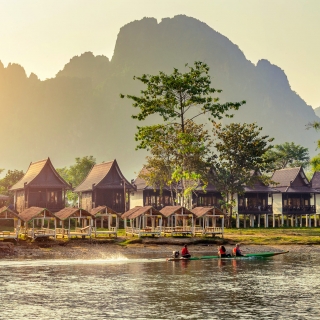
{"x":79,"y":112}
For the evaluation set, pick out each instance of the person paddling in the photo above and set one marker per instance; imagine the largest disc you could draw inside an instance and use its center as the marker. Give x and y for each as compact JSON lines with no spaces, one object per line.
{"x":184,"y":252}
{"x":236,"y":251}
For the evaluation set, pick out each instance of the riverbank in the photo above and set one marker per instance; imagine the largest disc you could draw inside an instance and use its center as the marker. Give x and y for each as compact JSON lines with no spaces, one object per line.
{"x":252,"y":240}
{"x":123,"y":247}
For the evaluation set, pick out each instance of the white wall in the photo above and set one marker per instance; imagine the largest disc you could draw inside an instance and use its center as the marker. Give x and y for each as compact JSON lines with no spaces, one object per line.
{"x":317,"y":203}
{"x":136,"y":199}
{"x":277,"y":203}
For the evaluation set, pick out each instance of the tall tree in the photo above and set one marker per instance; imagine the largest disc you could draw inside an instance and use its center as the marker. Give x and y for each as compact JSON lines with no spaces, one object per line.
{"x":76,"y":173}
{"x":240,"y":150}
{"x":11,"y":178}
{"x":315,"y":161}
{"x":176,"y":156}
{"x":177,"y":98}
{"x":288,"y":155}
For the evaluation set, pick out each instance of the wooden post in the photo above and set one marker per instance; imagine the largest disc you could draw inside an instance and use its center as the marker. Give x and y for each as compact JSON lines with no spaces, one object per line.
{"x":237,"y":221}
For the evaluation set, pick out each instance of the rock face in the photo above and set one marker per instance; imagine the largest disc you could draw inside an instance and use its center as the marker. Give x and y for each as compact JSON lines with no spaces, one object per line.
{"x":6,"y":249}
{"x":79,"y":112}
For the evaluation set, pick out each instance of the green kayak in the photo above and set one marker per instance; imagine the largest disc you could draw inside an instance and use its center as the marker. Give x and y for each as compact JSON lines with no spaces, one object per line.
{"x":247,"y":255}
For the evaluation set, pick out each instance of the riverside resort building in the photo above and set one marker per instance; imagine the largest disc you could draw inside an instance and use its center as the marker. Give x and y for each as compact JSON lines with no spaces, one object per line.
{"x":107,"y":201}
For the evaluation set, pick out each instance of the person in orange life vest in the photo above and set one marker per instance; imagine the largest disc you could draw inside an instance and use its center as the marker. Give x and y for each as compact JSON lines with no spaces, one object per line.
{"x":236,"y":251}
{"x":184,"y":252}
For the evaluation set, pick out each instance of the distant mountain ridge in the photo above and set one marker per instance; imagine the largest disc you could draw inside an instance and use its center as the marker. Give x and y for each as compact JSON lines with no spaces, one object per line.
{"x":79,"y":112}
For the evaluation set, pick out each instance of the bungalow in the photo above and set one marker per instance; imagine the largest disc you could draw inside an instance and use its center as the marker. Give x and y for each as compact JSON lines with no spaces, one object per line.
{"x":8,"y":215}
{"x":41,"y":186}
{"x":105,"y":185}
{"x":145,"y":195}
{"x":143,"y":221}
{"x":297,"y":198}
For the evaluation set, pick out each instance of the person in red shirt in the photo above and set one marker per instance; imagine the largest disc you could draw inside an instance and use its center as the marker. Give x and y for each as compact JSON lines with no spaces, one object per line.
{"x":184,"y":252}
{"x":222,"y":252}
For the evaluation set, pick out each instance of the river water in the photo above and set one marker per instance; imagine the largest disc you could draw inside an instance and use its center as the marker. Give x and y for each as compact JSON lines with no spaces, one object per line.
{"x":119,"y":287}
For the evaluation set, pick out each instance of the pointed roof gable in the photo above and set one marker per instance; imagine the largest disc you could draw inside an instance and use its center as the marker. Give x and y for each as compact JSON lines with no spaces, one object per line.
{"x":72,"y":213}
{"x":315,"y":181}
{"x":98,"y":177}
{"x":292,"y":180}
{"x":33,"y":176}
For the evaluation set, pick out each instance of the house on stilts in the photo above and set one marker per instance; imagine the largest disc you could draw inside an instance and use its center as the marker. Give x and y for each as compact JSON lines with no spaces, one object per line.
{"x":105,"y":185}
{"x":42,"y":187}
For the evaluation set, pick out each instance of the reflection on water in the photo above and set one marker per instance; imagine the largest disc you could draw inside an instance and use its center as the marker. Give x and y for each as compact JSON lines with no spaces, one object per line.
{"x":282,"y":287}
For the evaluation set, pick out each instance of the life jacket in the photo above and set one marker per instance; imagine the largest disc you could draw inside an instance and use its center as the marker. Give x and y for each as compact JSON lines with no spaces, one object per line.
{"x":221,"y":251}
{"x":234,"y":251}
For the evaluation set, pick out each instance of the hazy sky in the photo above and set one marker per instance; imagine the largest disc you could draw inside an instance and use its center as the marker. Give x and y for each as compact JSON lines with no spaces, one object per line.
{"x":43,"y":35}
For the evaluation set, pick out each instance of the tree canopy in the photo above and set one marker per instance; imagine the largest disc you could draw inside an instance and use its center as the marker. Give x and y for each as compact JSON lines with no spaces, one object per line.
{"x":11,"y":178}
{"x":179,"y":98}
{"x":240,"y":150}
{"x":76,"y":173}
{"x":288,"y":155}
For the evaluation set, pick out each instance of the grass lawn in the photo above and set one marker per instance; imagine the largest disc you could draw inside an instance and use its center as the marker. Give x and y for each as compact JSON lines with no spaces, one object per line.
{"x":273,"y":236}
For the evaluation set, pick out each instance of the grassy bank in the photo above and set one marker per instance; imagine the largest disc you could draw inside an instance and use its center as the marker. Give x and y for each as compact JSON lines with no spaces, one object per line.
{"x":273,"y":236}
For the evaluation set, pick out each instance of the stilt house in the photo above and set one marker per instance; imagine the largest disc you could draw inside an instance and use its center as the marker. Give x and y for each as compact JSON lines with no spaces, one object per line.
{"x":296,"y":200}
{"x":105,"y":185}
{"x":145,"y":195}
{"x":41,"y":186}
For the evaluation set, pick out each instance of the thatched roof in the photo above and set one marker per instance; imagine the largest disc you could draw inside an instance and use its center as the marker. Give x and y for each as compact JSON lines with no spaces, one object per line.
{"x":7,"y":213}
{"x":138,"y":211}
{"x":35,"y":212}
{"x":70,"y":212}
{"x":202,"y":211}
{"x":102,"y":210}
{"x":169,"y":210}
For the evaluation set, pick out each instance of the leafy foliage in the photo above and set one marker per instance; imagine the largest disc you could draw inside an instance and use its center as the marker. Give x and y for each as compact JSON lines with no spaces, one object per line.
{"x":178,"y":145}
{"x":76,"y":173}
{"x":288,"y":155}
{"x":11,"y":178}
{"x":240,"y":149}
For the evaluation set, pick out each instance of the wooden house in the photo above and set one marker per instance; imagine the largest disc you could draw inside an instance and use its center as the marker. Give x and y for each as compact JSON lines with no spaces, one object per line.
{"x":3,"y":200}
{"x":10,"y":224}
{"x":178,"y":221}
{"x":143,"y":221}
{"x":206,"y":198}
{"x":41,"y":186}
{"x":297,"y":198}
{"x":74,"y":222}
{"x":105,"y":185}
{"x":255,"y":203}
{"x":109,"y":221}
{"x":37,"y":223}
{"x":145,"y":195}
{"x":207,"y":220}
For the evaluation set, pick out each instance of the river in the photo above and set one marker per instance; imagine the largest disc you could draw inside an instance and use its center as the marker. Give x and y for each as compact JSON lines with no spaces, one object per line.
{"x":120,"y":287}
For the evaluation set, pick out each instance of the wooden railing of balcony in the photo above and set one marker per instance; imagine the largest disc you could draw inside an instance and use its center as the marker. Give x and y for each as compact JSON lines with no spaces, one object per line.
{"x":299,"y":209}
{"x":255,"y":209}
